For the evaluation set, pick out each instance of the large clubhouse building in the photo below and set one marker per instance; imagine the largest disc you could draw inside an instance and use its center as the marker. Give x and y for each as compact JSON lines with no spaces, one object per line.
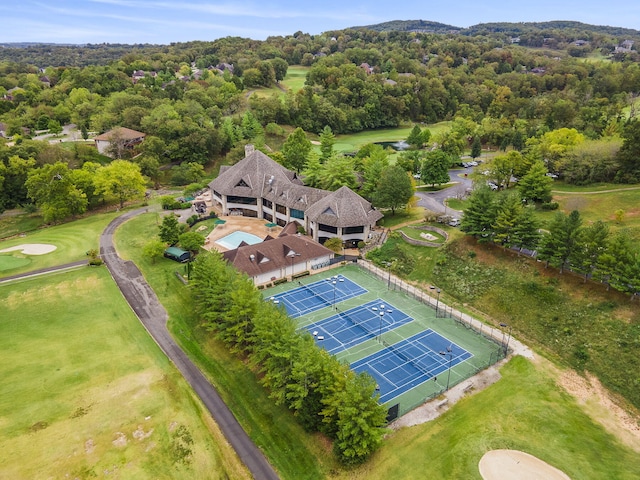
{"x":259,"y":187}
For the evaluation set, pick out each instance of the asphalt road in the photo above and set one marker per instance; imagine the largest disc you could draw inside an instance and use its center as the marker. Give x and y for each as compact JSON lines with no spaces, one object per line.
{"x":434,"y":201}
{"x":153,"y":316}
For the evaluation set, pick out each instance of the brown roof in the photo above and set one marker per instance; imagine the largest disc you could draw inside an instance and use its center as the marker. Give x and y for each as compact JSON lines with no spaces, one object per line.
{"x":343,"y":208}
{"x":121,"y":132}
{"x":275,"y":254}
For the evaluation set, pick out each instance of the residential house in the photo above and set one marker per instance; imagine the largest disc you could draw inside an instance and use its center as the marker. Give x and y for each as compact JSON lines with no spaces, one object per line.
{"x":124,"y":137}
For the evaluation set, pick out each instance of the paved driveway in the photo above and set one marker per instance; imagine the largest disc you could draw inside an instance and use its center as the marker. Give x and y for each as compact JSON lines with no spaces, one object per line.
{"x":434,"y":201}
{"x":153,"y":316}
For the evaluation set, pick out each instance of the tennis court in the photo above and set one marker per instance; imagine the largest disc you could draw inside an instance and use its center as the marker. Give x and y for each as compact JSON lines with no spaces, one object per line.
{"x":356,"y":325}
{"x":409,"y":363}
{"x":314,"y":296}
{"x":400,"y":349}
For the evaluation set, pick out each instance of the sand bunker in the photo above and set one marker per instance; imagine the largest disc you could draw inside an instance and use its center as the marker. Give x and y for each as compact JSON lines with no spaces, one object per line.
{"x":516,"y":465}
{"x":32,"y":248}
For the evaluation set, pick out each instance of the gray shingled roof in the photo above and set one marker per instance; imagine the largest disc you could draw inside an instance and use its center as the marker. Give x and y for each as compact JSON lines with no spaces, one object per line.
{"x":271,"y":255}
{"x":343,"y":208}
{"x":248,"y":177}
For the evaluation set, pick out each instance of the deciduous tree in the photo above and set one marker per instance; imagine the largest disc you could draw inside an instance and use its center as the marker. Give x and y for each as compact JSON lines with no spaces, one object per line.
{"x":121,"y":180}
{"x":394,"y":189}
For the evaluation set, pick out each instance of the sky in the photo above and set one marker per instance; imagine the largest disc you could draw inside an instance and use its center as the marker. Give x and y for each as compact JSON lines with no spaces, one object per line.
{"x":167,"y":21}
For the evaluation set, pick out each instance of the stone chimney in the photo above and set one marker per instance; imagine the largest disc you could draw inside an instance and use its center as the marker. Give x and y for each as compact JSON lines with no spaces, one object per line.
{"x":249,"y":149}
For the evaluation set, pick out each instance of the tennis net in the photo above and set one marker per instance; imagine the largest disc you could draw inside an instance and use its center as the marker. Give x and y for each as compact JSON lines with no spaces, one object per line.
{"x":317,"y":294}
{"x":363,"y":325}
{"x":406,"y":358}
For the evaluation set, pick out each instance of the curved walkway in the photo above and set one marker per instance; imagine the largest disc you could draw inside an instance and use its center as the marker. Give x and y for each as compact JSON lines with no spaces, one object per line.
{"x":153,"y":316}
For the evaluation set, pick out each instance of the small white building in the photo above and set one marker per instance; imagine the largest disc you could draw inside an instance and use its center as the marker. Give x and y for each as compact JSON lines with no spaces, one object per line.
{"x":280,"y":257}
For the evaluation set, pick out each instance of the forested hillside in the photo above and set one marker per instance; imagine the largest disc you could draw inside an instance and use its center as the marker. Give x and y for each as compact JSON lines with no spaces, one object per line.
{"x":194,"y":100}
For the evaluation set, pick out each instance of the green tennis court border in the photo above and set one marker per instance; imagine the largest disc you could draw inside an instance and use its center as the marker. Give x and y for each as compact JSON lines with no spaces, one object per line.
{"x":485,"y":351}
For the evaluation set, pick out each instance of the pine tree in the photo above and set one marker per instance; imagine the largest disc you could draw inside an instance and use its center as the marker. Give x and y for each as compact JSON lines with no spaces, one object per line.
{"x":476,"y":147}
{"x":480,"y":215}
{"x":327,"y":141}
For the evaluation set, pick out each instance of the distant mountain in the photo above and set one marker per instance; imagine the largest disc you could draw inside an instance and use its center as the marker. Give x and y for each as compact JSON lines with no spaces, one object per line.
{"x":422,"y":26}
{"x":527,"y":27}
{"x":508,"y":28}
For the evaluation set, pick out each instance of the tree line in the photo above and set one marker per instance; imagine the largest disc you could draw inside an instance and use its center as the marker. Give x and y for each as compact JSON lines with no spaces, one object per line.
{"x":567,"y":244}
{"x":322,"y":392}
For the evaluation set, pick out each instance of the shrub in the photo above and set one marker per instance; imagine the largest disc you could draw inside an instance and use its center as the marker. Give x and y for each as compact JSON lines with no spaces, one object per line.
{"x":549,"y":206}
{"x":361,"y":244}
{"x":279,"y":281}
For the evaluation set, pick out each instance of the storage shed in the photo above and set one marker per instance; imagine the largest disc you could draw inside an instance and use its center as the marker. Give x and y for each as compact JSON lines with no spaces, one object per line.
{"x":177,"y":254}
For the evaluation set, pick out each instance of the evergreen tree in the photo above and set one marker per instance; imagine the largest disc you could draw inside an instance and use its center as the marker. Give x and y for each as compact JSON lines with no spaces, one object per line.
{"x":592,"y":244}
{"x":476,"y":147}
{"x":295,"y":150}
{"x":327,"y":141}
{"x":170,"y":229}
{"x":480,"y":214}
{"x":526,"y":233}
{"x":415,"y":138}
{"x":313,"y":171}
{"x":535,"y":186}
{"x":509,"y":213}
{"x":338,"y":172}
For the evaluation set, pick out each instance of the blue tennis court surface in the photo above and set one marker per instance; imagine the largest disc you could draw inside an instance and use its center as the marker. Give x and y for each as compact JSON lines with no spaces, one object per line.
{"x":404,"y":365}
{"x":346,"y":329}
{"x":325,"y":293}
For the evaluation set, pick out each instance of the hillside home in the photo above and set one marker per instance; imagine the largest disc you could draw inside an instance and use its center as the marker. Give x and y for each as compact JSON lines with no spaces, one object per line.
{"x":124,"y":137}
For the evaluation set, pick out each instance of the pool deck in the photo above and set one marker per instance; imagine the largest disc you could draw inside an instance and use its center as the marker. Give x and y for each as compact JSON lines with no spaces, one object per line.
{"x":234,"y":223}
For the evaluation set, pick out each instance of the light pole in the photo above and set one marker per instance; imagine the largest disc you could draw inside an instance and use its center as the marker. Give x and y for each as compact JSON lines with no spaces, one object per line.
{"x":506,"y":346}
{"x":444,"y":354}
{"x":380,"y":329}
{"x":334,"y":294}
{"x":388,"y":265}
{"x":437,"y":302}
{"x":292,"y":254}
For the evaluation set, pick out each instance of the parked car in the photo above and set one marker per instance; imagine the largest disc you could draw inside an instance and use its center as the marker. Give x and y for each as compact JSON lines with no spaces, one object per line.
{"x":454,"y":222}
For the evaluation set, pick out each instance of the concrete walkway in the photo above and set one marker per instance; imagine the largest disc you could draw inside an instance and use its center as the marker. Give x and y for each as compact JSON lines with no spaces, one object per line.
{"x":44,"y":271}
{"x":153,"y":316}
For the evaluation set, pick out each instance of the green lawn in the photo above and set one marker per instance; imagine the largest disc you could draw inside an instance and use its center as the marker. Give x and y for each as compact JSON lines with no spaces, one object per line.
{"x":296,"y":78}
{"x":415,"y":233}
{"x":14,"y":224}
{"x":72,"y":240}
{"x":86,"y":393}
{"x":294,"y":453}
{"x":402,"y":216}
{"x":526,"y":410}
{"x":599,"y":203}
{"x":354,"y":141}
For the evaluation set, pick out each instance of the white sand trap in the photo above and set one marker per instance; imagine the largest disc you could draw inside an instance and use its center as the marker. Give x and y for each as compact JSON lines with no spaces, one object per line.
{"x":516,"y":465}
{"x":32,"y":248}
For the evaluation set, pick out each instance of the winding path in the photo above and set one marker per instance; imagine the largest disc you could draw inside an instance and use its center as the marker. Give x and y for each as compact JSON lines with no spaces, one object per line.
{"x":153,"y":316}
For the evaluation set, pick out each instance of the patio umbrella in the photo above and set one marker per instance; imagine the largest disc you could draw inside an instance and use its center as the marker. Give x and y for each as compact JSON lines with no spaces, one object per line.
{"x":219,"y":221}
{"x":270,"y":225}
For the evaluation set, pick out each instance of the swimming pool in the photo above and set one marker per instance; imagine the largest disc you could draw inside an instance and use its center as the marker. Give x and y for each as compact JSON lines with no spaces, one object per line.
{"x":234,"y":239}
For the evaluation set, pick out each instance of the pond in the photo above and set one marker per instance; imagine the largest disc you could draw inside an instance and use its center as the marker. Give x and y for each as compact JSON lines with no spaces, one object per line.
{"x":398,"y":146}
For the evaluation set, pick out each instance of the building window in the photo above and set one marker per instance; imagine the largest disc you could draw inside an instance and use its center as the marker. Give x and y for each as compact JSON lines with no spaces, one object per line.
{"x":242,"y":200}
{"x":267,"y":203}
{"x":268,"y":216}
{"x":217,"y":194}
{"x":327,"y":228}
{"x":350,"y":230}
{"x":281,"y":209}
{"x":297,"y":213}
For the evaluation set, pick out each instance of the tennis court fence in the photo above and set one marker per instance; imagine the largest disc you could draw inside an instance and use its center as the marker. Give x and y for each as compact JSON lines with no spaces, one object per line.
{"x":442,"y":310}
